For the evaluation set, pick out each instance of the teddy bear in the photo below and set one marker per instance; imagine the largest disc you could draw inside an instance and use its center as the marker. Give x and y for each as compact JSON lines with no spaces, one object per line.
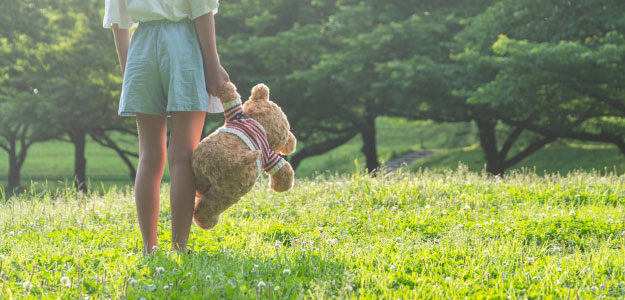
{"x":227,"y":163}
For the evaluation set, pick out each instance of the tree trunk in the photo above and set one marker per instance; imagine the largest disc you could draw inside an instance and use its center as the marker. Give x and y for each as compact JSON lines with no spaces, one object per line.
{"x":369,"y":148}
{"x":486,"y":130}
{"x":79,"y":139}
{"x":14,"y":168}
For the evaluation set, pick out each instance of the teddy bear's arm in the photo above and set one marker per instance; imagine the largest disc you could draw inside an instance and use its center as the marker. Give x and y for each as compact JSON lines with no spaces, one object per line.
{"x":282,"y":179}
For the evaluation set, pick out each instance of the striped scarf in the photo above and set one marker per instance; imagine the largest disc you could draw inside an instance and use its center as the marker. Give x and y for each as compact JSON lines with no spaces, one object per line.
{"x":254,"y":136}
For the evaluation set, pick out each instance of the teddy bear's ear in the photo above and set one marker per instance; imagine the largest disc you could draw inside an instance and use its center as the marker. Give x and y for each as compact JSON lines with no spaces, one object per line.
{"x":260,"y":92}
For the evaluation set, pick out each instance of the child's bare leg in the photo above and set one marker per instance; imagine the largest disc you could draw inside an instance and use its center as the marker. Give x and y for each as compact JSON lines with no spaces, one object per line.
{"x":186,"y":130}
{"x":152,"y":150}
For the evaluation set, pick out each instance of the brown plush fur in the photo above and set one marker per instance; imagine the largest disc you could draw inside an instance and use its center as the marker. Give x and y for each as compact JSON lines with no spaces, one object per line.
{"x":225,"y":168}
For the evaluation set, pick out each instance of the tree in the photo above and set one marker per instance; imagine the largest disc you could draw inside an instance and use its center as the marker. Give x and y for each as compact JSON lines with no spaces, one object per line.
{"x":559,"y":70}
{"x":82,"y":90}
{"x":23,"y":121}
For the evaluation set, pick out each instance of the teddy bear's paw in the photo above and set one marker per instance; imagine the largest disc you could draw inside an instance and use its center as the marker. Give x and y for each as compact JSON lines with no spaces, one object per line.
{"x":205,"y":222}
{"x":228,"y":92}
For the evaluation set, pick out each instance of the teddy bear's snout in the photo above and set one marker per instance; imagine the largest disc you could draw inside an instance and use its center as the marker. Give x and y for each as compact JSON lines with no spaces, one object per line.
{"x":289,"y":146}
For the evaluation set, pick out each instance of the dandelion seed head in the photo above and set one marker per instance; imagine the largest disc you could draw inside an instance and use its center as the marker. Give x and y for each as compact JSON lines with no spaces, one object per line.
{"x":261,"y":284}
{"x":65,"y":280}
{"x":208,"y":277}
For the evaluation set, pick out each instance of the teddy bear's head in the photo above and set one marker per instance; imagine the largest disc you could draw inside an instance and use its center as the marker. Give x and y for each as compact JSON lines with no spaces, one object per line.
{"x":270,"y":115}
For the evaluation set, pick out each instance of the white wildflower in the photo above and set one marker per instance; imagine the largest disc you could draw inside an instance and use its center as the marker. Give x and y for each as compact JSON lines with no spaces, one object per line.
{"x":380,"y":227}
{"x":159,"y":270}
{"x":562,"y":211}
{"x":467,"y":207}
{"x":571,"y":212}
{"x":132,"y":281}
{"x":208,"y":277}
{"x":478,"y":225}
{"x":447,"y":279}
{"x":166,"y":287}
{"x":36,"y":91}
{"x":508,"y":229}
{"x":351,"y":218}
{"x":261,"y":285}
{"x":427,"y":207}
{"x":392,"y":267}
{"x":2,"y":256}
{"x":150,"y":287}
{"x":398,"y":239}
{"x":65,"y":281}
{"x":277,"y":288}
{"x":286,"y":272}
{"x":348,"y":288}
{"x":278,"y":244}
{"x":27,"y":285}
{"x":460,"y":226}
{"x":444,"y":212}
{"x":460,"y":212}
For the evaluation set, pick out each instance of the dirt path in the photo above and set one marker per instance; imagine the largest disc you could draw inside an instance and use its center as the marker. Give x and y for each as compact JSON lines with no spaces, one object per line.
{"x":405,"y":159}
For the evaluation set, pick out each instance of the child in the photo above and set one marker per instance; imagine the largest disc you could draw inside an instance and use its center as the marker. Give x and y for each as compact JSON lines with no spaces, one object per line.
{"x":168,"y":67}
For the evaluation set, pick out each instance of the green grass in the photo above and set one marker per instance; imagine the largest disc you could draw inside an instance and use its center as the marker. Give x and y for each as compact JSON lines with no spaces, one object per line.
{"x":560,"y":157}
{"x":405,"y":235}
{"x":395,"y":136}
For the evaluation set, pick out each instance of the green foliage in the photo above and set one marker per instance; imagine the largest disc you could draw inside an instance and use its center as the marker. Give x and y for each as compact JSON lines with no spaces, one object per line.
{"x":424,"y":235}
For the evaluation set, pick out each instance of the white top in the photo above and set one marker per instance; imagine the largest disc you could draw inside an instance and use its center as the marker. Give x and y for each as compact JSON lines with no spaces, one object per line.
{"x":126,"y":13}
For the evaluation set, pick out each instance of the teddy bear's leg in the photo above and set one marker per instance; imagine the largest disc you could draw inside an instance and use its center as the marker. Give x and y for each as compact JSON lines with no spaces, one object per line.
{"x":208,"y":208}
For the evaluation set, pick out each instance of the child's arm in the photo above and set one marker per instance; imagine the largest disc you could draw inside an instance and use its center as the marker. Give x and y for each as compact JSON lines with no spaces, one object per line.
{"x":215,"y":74}
{"x":122,"y":42}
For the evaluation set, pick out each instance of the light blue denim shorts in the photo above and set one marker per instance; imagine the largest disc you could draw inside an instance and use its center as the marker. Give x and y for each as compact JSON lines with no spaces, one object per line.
{"x":164,"y":71}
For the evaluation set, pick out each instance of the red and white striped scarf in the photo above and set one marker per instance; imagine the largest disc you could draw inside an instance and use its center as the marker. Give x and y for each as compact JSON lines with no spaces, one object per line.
{"x":253,"y":134}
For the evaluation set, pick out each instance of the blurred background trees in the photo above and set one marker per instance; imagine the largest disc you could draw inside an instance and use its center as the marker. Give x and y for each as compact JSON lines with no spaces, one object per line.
{"x":524,"y":72}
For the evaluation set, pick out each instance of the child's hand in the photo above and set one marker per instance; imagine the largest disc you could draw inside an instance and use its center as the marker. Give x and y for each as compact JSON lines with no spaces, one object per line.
{"x":215,"y":76}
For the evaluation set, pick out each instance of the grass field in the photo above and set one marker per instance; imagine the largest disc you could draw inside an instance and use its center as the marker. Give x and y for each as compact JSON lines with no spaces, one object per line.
{"x":415,"y":235}
{"x":560,"y":157}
